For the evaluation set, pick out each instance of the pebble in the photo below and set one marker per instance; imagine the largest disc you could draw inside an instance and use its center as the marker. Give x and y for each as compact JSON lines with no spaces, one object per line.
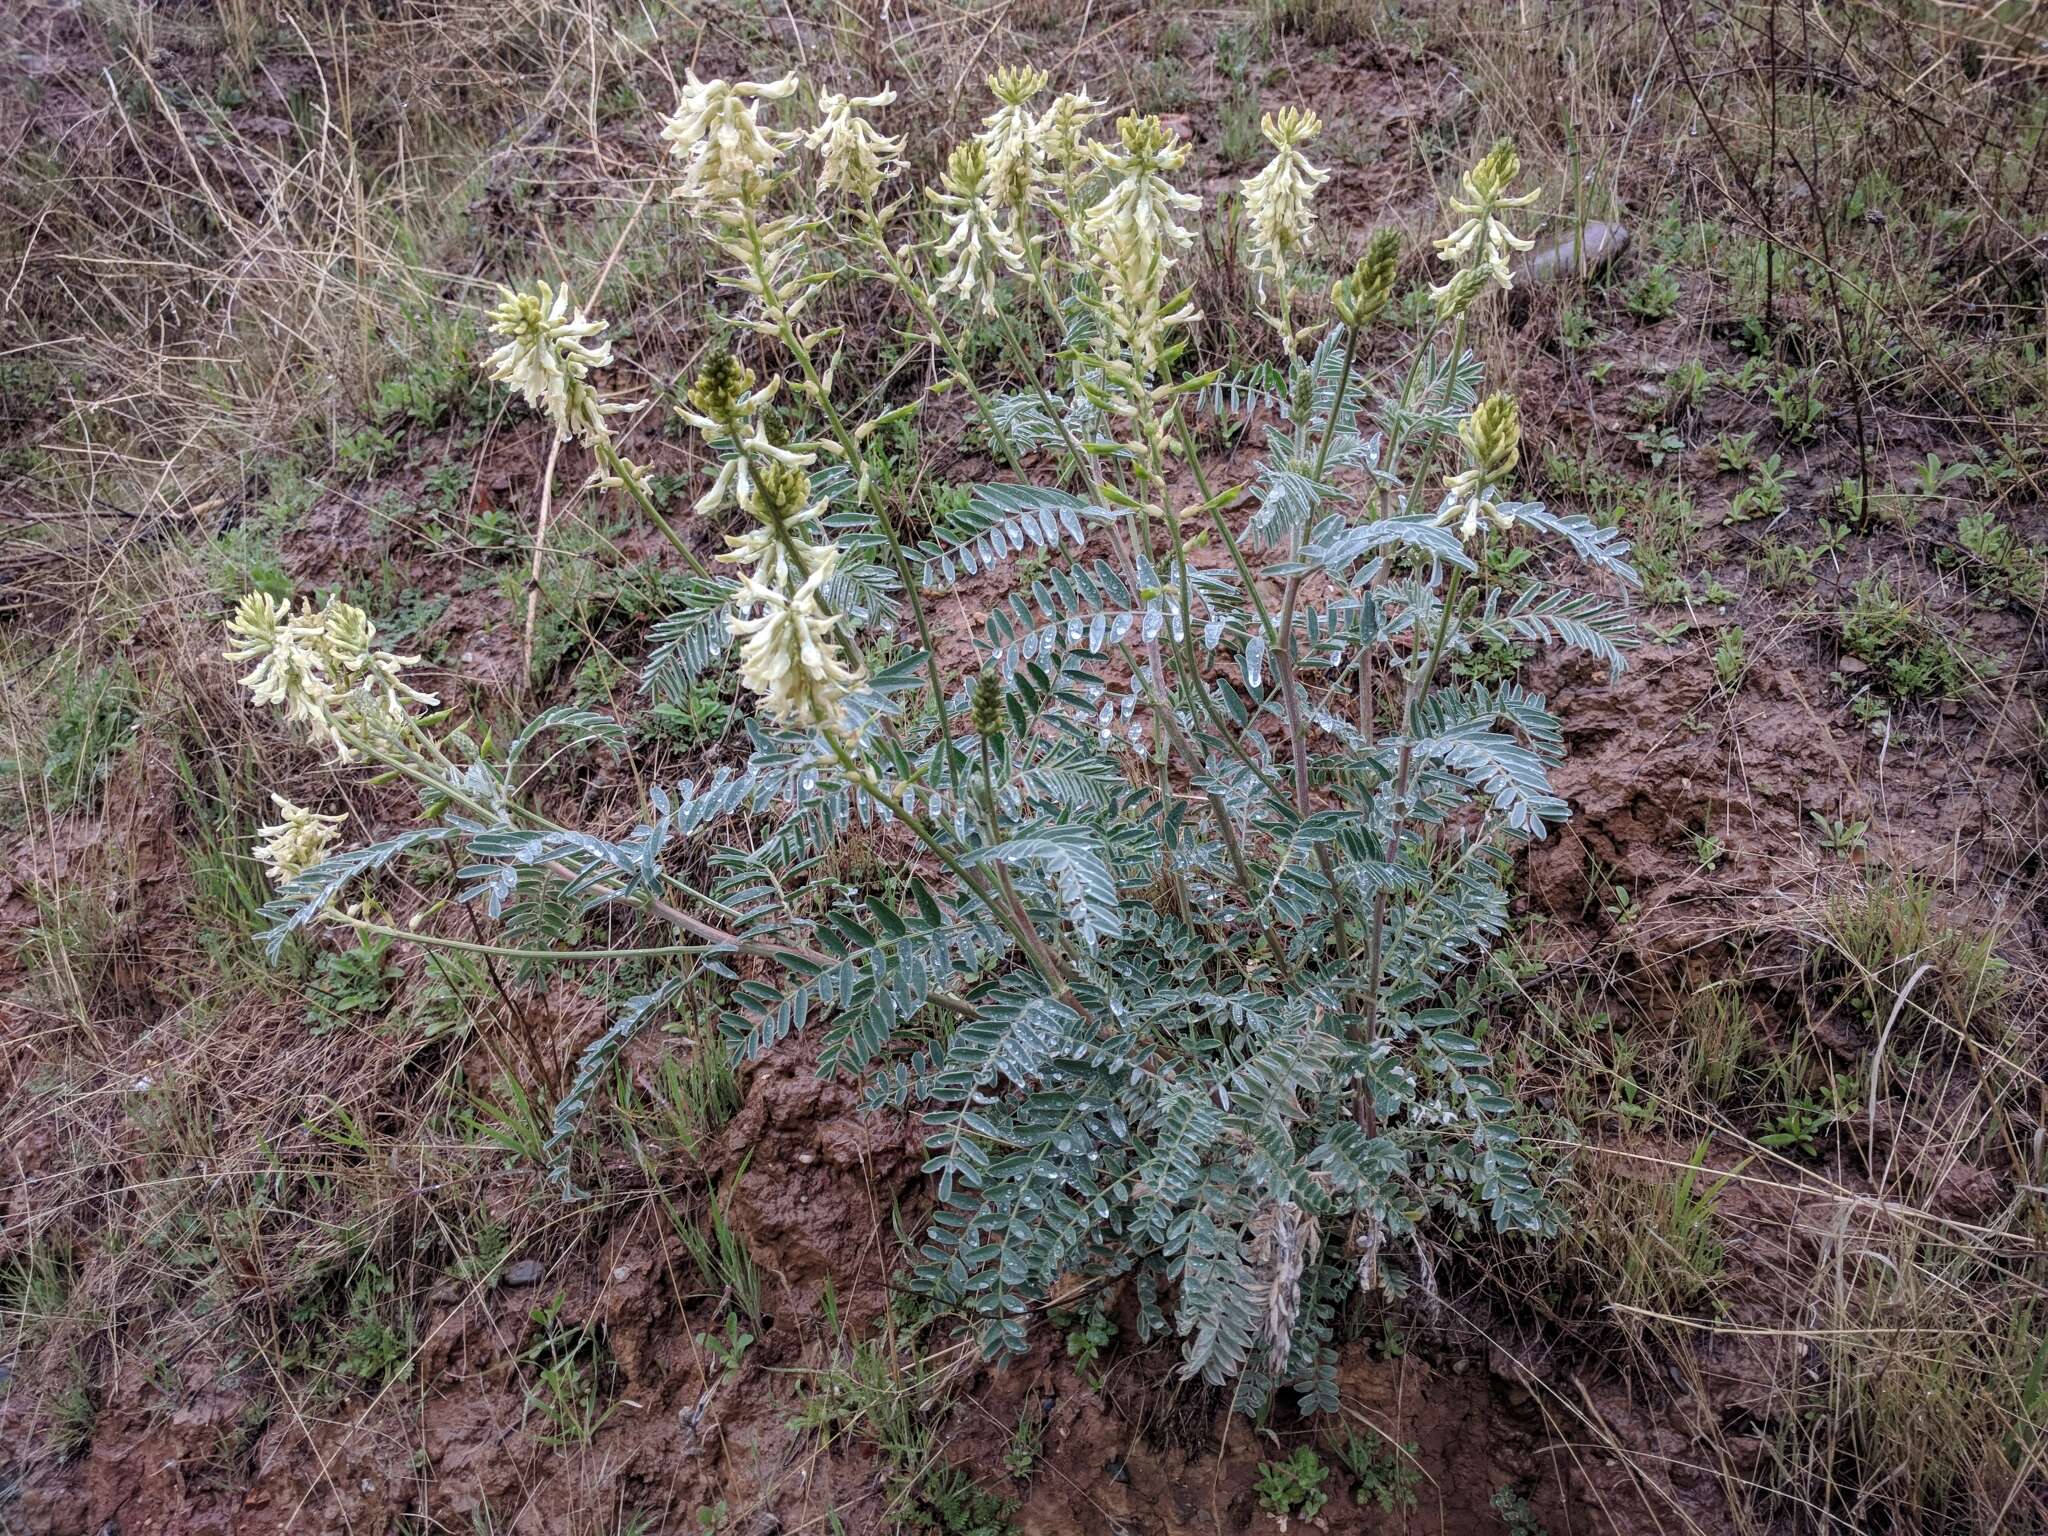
{"x":525,"y":1272}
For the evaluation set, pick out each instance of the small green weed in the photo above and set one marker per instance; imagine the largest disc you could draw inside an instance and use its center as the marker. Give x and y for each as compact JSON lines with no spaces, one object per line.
{"x":1730,"y":659}
{"x":1381,"y":1473}
{"x":1764,"y":496}
{"x":1027,"y":1441}
{"x":1654,"y":295}
{"x":94,"y":726}
{"x":1798,"y":410}
{"x":1735,"y":452}
{"x":1657,"y":444}
{"x":349,"y":982}
{"x":1516,"y":1513}
{"x":572,"y":1376}
{"x":1294,"y":1486}
{"x":1915,"y":654}
{"x":1840,"y":837}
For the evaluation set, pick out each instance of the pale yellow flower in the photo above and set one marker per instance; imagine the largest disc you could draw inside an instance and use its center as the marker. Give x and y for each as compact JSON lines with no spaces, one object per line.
{"x":856,"y":157}
{"x":977,"y":244}
{"x":1482,"y":242}
{"x":1140,"y":198}
{"x":288,"y":848}
{"x":550,"y":348}
{"x":1277,"y":200}
{"x":716,"y":132}
{"x":1009,"y":137}
{"x":1492,"y":438}
{"x":291,"y":668}
{"x":1060,"y":129}
{"x":1132,"y":237}
{"x":324,"y":670}
{"x":788,"y":655}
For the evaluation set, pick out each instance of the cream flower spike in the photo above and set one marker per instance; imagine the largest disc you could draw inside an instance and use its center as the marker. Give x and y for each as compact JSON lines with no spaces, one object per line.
{"x":1140,"y":196}
{"x":323,"y":669}
{"x":976,"y":243}
{"x":779,"y":549}
{"x":288,"y":848}
{"x":1482,"y":242}
{"x":378,"y":696}
{"x":1059,"y":131}
{"x":1277,"y":200}
{"x":548,"y":353}
{"x":788,"y":655}
{"x":857,"y":157}
{"x":289,"y":655}
{"x":1492,"y":436}
{"x":1010,"y":137}
{"x":716,"y":132}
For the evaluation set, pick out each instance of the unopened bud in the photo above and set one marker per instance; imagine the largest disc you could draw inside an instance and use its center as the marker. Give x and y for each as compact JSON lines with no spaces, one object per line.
{"x":987,"y":711}
{"x":1362,"y":298}
{"x":1493,"y":435}
{"x":720,"y":386}
{"x":1497,"y":170}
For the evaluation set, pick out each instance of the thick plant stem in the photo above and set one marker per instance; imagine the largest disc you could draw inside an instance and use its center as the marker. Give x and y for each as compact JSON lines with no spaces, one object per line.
{"x":1418,"y":690}
{"x":616,"y":467}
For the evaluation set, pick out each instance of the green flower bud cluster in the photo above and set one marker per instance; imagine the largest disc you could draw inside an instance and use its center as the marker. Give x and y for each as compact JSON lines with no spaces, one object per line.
{"x":1492,"y":436}
{"x":1363,"y":297}
{"x":987,"y":709}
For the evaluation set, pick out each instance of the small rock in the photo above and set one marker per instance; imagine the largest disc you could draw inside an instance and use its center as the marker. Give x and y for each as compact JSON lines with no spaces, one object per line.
{"x":525,"y":1272}
{"x":1599,"y":243}
{"x":1853,"y":666}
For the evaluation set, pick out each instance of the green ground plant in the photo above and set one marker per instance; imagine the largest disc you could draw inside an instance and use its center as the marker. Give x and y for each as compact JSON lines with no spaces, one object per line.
{"x":1294,"y":1487}
{"x":1209,"y":1045}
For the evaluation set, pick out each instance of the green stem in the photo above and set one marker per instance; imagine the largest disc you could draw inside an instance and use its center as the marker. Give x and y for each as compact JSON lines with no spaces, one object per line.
{"x":503,"y":952}
{"x":1026,"y":936}
{"x":609,"y":457}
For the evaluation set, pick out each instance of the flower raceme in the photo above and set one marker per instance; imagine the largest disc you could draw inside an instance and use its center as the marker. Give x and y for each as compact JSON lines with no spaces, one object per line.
{"x":716,"y":132}
{"x":732,"y":415}
{"x":787,"y":653}
{"x":1492,"y":437}
{"x":1140,"y":197}
{"x":548,"y":352}
{"x":977,"y":243}
{"x":1482,"y":241}
{"x":1011,"y":138}
{"x":323,"y":669}
{"x":1277,"y":200}
{"x":1060,"y":130}
{"x":294,"y":844}
{"x":855,"y":157}
{"x":1134,"y":239}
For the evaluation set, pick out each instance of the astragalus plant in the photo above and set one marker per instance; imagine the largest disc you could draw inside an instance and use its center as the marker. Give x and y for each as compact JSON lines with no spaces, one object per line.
{"x":1207,"y":839}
